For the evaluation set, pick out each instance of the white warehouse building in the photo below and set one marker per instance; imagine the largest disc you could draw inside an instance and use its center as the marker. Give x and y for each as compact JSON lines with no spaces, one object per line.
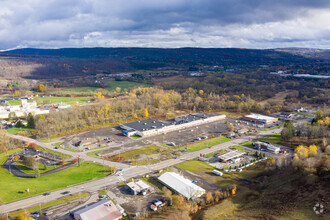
{"x":181,"y":185}
{"x":151,"y":127}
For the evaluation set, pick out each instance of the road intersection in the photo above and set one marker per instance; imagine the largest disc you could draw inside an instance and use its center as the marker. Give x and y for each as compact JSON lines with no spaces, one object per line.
{"x":125,"y":171}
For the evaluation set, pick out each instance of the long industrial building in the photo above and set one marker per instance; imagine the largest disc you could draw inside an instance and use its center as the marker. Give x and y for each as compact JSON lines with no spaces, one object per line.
{"x":181,"y":185}
{"x":151,"y":127}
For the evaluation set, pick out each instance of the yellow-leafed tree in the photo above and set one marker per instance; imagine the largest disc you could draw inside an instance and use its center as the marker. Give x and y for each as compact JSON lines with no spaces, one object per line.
{"x":146,"y":113}
{"x":42,"y":88}
{"x":312,"y":150}
{"x":301,"y":151}
{"x":99,"y":95}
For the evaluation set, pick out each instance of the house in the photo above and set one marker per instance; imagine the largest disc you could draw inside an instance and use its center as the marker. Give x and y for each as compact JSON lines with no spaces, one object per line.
{"x":181,"y":185}
{"x":104,"y":209}
{"x":87,"y":141}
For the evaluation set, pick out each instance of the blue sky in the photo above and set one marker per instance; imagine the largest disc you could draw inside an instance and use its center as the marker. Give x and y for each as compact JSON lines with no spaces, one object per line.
{"x":164,"y":23}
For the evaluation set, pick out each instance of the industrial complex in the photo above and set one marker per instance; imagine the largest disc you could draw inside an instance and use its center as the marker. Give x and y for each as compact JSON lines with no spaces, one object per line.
{"x":151,"y":127}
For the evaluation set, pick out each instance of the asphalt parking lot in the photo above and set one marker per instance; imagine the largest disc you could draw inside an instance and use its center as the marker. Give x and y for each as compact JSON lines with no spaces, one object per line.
{"x":122,"y":143}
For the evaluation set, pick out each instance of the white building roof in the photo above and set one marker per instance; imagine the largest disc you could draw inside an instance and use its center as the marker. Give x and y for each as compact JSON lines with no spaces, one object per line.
{"x":181,"y":185}
{"x":260,"y":117}
{"x":231,"y":155}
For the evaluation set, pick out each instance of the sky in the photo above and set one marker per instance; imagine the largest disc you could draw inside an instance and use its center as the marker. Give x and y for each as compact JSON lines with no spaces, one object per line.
{"x":164,"y":23}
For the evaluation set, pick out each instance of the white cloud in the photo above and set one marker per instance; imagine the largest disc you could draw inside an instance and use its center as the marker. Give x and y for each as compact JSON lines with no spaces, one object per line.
{"x":158,"y":23}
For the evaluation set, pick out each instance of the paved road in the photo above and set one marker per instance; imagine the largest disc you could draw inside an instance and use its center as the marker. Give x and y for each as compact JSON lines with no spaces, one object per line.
{"x":127,"y":172}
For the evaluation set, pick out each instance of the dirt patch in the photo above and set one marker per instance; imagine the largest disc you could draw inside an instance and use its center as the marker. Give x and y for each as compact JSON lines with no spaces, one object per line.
{"x":279,"y":98}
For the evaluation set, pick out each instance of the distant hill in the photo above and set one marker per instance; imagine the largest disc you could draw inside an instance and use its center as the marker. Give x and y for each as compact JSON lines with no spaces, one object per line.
{"x":68,"y":62}
{"x":307,"y":52}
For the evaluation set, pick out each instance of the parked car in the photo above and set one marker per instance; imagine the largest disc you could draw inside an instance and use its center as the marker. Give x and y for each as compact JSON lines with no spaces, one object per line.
{"x":55,"y":147}
{"x":103,"y":197}
{"x":204,"y":137}
{"x":194,"y":181}
{"x":172,"y":144}
{"x":35,"y":215}
{"x":109,"y":141}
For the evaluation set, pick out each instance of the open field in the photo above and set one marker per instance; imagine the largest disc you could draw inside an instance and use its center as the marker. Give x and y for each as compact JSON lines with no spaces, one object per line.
{"x":54,"y":100}
{"x":73,"y":175}
{"x":122,"y":84}
{"x":274,"y":138}
{"x":195,"y":165}
{"x":18,"y":130}
{"x":141,"y":156}
{"x":240,"y":148}
{"x":49,"y":204}
{"x":204,"y":143}
{"x":88,"y":90}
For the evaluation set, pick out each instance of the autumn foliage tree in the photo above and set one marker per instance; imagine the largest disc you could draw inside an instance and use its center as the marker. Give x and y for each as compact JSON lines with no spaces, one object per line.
{"x":146,"y":113}
{"x":42,"y":88}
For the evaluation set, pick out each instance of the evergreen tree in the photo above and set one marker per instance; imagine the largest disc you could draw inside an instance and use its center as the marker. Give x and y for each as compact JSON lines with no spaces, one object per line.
{"x":31,"y":121}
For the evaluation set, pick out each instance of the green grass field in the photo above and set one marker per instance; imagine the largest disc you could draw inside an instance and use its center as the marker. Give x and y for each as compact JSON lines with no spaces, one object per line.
{"x":54,"y":100}
{"x":13,"y":188}
{"x":131,"y":156}
{"x":267,"y":129}
{"x":49,"y":204}
{"x":18,"y":130}
{"x":213,"y":154}
{"x":122,"y":84}
{"x":195,"y":165}
{"x":248,"y":144}
{"x":240,"y":148}
{"x":274,"y":138}
{"x":25,"y":169}
{"x":87,"y":90}
{"x":205,"y":143}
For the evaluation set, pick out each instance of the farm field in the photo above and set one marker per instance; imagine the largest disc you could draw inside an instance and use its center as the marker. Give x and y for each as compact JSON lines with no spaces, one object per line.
{"x":73,"y":175}
{"x":88,"y":90}
{"x":54,"y":100}
{"x":204,"y":143}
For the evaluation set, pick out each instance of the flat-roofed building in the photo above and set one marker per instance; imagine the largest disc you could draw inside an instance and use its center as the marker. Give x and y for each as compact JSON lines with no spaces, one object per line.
{"x":231,"y":155}
{"x":151,"y":127}
{"x":181,"y":185}
{"x":102,"y":210}
{"x":138,"y":187}
{"x":261,"y":119}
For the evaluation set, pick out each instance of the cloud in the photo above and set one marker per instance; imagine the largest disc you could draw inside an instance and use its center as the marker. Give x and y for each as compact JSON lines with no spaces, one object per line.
{"x":159,"y":23}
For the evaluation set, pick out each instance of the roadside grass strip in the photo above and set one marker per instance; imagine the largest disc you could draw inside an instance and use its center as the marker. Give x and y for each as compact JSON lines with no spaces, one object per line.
{"x":49,"y":204}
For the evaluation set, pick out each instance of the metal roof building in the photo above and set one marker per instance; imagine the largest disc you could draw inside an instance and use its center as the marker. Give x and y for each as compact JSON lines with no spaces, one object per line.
{"x":231,"y":155}
{"x":102,"y":210}
{"x":257,"y":118}
{"x":181,"y":185}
